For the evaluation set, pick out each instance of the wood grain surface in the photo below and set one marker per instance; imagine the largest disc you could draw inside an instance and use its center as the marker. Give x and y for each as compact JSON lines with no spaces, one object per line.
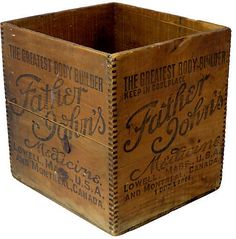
{"x":116,"y":112}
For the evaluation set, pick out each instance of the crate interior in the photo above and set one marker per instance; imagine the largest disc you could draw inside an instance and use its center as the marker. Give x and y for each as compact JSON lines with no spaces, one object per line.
{"x":113,"y":27}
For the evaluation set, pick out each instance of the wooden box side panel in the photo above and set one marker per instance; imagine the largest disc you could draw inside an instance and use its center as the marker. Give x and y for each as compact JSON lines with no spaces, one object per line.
{"x":171,"y":120}
{"x":167,"y":18}
{"x":85,"y":26}
{"x":137,"y":27}
{"x":58,"y":120}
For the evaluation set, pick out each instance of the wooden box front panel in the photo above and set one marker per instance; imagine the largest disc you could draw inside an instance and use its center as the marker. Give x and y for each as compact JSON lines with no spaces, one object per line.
{"x":171,"y":103}
{"x":56,"y":96}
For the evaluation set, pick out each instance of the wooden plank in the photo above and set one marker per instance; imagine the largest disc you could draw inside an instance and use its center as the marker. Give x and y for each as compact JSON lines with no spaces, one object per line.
{"x":65,"y":171}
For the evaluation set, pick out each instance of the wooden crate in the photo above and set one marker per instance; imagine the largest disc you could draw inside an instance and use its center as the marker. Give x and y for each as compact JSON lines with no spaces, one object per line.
{"x":116,"y":112}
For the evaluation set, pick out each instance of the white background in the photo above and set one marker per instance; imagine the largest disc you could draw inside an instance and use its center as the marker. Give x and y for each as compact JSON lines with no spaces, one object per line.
{"x":24,"y":213}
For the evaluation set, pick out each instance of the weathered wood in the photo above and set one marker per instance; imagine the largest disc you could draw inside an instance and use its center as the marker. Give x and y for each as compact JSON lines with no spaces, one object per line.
{"x":116,"y":112}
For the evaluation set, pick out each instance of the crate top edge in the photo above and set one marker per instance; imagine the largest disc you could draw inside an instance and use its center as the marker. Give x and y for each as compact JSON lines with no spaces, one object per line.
{"x":112,"y":4}
{"x":216,"y":27}
{"x":159,"y":44}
